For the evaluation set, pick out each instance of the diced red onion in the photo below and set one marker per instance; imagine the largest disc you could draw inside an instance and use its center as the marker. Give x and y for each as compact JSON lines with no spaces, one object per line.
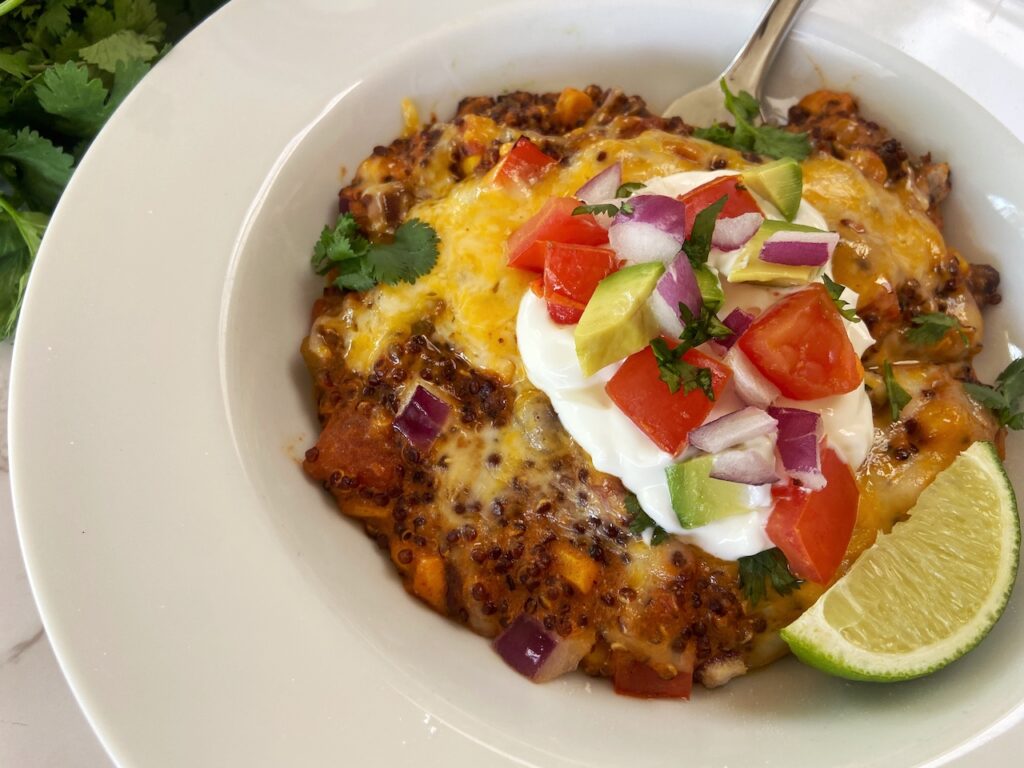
{"x":423,"y":418}
{"x":660,"y":211}
{"x":637,"y":242}
{"x":799,"y":249}
{"x":601,"y":187}
{"x":751,"y":464}
{"x":733,"y":232}
{"x":720,"y":671}
{"x":736,"y":321}
{"x":751,"y":385}
{"x":535,"y":653}
{"x":677,"y":286}
{"x":799,"y":444}
{"x":732,"y":429}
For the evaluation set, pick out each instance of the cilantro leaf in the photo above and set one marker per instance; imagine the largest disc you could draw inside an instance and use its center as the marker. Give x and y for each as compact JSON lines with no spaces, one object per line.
{"x":898,"y":396}
{"x":704,"y":327}
{"x":698,"y":244}
{"x":746,"y":136}
{"x":835,"y":290}
{"x":930,"y":328}
{"x":78,"y":101}
{"x":678,"y":373}
{"x":20,"y":235}
{"x":627,"y":189}
{"x":412,"y":254}
{"x":1004,"y":398}
{"x":358,"y":264}
{"x":36,"y":169}
{"x":771,"y":565}
{"x":120,"y":47}
{"x":640,"y":521}
{"x":608,"y":209}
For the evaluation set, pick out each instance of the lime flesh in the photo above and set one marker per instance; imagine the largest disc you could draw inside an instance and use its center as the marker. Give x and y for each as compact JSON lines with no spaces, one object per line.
{"x":930,"y":591}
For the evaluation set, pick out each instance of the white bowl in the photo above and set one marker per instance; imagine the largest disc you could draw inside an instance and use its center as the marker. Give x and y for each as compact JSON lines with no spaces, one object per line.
{"x":207,"y":602}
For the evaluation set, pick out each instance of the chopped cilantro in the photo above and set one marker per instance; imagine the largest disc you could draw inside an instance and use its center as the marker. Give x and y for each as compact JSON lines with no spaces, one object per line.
{"x":698,"y":244}
{"x":704,"y":327}
{"x":359,"y":264}
{"x":1004,"y":398}
{"x":640,"y":521}
{"x":898,"y":396}
{"x":608,"y":209}
{"x":627,"y":189}
{"x":770,"y":564}
{"x":932,"y":327}
{"x":747,"y":136}
{"x":677,"y":373}
{"x":835,"y":290}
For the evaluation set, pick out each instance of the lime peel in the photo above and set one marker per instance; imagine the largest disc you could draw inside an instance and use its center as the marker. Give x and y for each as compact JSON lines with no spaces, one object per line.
{"x":926,"y":594}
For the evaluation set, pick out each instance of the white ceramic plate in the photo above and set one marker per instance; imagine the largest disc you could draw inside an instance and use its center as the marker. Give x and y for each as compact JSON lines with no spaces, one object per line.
{"x":207,"y":604}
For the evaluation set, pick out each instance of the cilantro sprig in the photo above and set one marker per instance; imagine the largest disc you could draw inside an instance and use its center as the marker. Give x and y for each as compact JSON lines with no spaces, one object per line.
{"x":748,"y":135}
{"x":358,"y":264}
{"x":65,"y":67}
{"x":611,"y":209}
{"x":930,"y":328}
{"x":1004,"y":398}
{"x":678,"y":373}
{"x":769,"y":565}
{"x":640,"y":521}
{"x":835,"y":290}
{"x":898,"y":396}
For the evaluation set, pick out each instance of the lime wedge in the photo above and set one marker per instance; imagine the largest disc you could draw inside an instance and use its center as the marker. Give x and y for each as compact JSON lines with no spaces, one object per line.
{"x":927,"y":593}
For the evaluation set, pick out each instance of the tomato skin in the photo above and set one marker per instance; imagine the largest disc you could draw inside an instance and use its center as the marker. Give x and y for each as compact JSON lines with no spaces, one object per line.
{"x":740,"y":201}
{"x":800,"y":345}
{"x":813,"y":528}
{"x":575,"y":270}
{"x":554,"y":222}
{"x":524,"y":163}
{"x":563,"y":310}
{"x":665,"y":417}
{"x":634,"y":678}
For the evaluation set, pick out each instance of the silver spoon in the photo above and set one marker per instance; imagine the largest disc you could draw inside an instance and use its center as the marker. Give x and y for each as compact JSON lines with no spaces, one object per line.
{"x":704,"y":105}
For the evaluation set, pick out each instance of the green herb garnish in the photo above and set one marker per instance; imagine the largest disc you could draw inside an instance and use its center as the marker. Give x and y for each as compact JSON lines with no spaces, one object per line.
{"x":756,"y":570}
{"x":835,"y":290}
{"x":698,"y":245}
{"x":1004,"y":398}
{"x":932,"y":327}
{"x":677,"y":373}
{"x":359,"y":264}
{"x":898,"y":396}
{"x":65,"y":66}
{"x":704,"y":327}
{"x":627,"y":189}
{"x":640,"y":521}
{"x":749,"y":137}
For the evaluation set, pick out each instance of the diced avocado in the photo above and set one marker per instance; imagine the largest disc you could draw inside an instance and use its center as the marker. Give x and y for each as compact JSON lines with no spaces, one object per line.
{"x":617,"y":322}
{"x":751,"y":268}
{"x":699,"y":499}
{"x":710,"y":287}
{"x":780,"y":182}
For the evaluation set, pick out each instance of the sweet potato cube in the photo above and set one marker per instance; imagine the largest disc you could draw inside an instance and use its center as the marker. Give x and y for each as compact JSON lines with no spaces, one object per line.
{"x":575,"y":566}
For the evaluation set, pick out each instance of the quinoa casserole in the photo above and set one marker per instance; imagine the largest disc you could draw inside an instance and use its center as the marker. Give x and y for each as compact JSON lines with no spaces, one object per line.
{"x":495,"y":514}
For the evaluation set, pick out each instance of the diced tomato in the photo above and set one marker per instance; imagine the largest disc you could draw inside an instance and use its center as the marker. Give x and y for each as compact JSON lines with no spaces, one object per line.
{"x":556,"y":223}
{"x":813,"y":528}
{"x":575,"y":270}
{"x":563,"y":310}
{"x":524,"y":163}
{"x":634,"y":678}
{"x":801,"y":346}
{"x":537,"y":286}
{"x":665,"y":417}
{"x":740,"y":201}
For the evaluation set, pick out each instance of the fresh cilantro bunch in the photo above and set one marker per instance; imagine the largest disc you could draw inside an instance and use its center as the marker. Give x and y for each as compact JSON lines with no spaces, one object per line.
{"x":358,"y":265}
{"x":65,"y":66}
{"x":750,"y":137}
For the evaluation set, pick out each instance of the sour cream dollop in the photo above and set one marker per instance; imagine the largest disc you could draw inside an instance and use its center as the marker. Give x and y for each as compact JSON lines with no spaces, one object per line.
{"x":618,"y":447}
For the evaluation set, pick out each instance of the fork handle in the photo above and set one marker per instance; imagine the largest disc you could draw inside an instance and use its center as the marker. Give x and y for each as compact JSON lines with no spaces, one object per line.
{"x":747,"y":70}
